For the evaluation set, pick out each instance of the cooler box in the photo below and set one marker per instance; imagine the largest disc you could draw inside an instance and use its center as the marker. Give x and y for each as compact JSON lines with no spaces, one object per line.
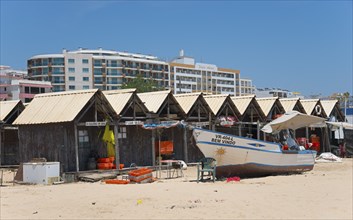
{"x":41,"y":172}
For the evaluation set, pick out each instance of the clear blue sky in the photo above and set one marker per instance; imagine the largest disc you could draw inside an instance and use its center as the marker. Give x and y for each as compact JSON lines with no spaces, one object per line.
{"x":303,"y":46}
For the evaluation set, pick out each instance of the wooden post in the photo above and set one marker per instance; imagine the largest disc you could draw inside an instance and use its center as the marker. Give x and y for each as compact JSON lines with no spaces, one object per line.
{"x":0,"y":149}
{"x":153,"y":149}
{"x":117,"y":155}
{"x":185,"y":144}
{"x":76,"y":148}
{"x":258,"y":130}
{"x":240,"y":124}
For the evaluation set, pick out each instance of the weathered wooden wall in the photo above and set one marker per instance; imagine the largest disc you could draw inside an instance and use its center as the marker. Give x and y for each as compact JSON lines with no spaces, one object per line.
{"x":51,"y":141}
{"x":194,"y":153}
{"x":56,"y":142}
{"x":9,"y":147}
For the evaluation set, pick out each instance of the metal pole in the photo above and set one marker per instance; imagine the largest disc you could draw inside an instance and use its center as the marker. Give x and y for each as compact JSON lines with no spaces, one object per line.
{"x":345,"y":109}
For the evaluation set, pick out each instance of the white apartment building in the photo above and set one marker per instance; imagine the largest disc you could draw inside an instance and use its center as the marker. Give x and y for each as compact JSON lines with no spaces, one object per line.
{"x":188,"y":76}
{"x":246,"y":87}
{"x":103,"y":69}
{"x":276,"y":92}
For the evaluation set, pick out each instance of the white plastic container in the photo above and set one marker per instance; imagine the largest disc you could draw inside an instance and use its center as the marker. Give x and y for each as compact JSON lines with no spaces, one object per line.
{"x":41,"y":172}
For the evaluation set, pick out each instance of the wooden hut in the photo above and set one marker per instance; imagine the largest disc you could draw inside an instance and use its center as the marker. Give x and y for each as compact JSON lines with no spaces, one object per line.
{"x":226,"y":113}
{"x":9,"y":144}
{"x":315,"y":134}
{"x":313,"y":107}
{"x":332,"y":110}
{"x":271,"y":107}
{"x":251,"y":115}
{"x":292,"y":104}
{"x":163,"y":107}
{"x":65,"y":127}
{"x":198,"y":113}
{"x":132,"y":138}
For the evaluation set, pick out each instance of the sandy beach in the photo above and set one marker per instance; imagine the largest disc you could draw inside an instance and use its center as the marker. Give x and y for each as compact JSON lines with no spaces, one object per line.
{"x":323,"y":193}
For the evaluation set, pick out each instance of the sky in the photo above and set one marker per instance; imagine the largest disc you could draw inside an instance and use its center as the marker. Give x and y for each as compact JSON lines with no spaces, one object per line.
{"x":302,"y":46}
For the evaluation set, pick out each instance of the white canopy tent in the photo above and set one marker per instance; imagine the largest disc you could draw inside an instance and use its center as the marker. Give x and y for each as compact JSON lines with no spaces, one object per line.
{"x":293,"y":120}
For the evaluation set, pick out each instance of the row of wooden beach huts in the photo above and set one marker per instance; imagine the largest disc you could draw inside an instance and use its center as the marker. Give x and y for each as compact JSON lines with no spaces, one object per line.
{"x":68,"y":126}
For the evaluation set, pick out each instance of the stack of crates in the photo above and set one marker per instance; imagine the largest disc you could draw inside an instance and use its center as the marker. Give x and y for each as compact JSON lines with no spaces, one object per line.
{"x":142,"y":175}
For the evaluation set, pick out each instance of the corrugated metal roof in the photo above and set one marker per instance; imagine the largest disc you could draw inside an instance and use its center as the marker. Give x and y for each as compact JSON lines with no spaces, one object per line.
{"x":6,"y":107}
{"x":187,"y":100}
{"x":266,"y":104}
{"x":328,"y":105}
{"x":242,"y":102}
{"x":289,"y":103}
{"x":55,"y":107}
{"x":215,"y":101}
{"x":118,"y":101}
{"x":118,"y":91}
{"x":153,"y":100}
{"x":309,"y":105}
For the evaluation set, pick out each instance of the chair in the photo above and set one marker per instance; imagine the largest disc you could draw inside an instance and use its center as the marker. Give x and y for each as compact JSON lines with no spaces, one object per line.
{"x":177,"y":167}
{"x":207,"y":164}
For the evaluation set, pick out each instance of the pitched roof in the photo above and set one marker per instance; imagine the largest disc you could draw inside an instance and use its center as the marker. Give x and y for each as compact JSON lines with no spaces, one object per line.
{"x":119,"y":98}
{"x":154,"y":100}
{"x":242,"y":102}
{"x":187,"y":100}
{"x":309,"y":105}
{"x":289,"y":103}
{"x":6,"y":107}
{"x":215,"y":102}
{"x":328,"y":105}
{"x":55,"y":107}
{"x":266,"y":104}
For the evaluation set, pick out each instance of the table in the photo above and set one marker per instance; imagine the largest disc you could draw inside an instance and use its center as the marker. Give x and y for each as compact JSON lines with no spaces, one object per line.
{"x":173,"y":166}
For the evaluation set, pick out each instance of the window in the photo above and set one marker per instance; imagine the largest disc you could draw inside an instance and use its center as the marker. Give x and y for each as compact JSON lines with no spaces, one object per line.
{"x":42,"y":90}
{"x":85,"y":70}
{"x":83,"y":139}
{"x":85,"y":87}
{"x":85,"y":78}
{"x":71,"y":60}
{"x":85,"y":61}
{"x":122,"y":132}
{"x":71,"y":78}
{"x":71,"y":70}
{"x":71,"y":87}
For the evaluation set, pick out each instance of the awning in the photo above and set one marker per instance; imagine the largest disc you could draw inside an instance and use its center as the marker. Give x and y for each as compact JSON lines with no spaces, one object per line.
{"x":344,"y":125}
{"x":292,"y":120}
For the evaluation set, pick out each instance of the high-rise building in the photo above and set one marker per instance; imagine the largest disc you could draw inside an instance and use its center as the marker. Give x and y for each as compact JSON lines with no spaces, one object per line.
{"x":103,"y":69}
{"x":188,"y":76}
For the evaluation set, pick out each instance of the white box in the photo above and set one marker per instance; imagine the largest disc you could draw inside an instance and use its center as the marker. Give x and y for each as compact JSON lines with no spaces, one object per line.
{"x":41,"y":172}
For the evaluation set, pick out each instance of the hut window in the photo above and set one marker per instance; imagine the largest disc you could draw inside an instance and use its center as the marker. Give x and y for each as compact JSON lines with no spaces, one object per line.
{"x":83,"y":137}
{"x":122,"y":132}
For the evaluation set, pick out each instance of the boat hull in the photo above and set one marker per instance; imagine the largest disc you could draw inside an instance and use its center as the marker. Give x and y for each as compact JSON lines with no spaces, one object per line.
{"x":245,"y":157}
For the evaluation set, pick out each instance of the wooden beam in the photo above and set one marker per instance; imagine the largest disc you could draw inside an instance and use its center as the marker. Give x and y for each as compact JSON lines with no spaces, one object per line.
{"x":76,"y":147}
{"x":117,"y":155}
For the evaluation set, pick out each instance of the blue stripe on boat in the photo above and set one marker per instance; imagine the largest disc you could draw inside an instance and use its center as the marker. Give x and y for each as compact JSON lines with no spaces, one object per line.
{"x":266,"y":165}
{"x":249,"y":148}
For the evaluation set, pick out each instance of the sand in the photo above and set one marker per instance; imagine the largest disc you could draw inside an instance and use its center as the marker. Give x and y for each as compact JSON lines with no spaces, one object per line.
{"x":323,"y":193}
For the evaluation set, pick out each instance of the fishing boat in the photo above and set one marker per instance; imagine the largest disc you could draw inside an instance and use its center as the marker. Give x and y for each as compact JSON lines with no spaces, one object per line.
{"x":247,"y":157}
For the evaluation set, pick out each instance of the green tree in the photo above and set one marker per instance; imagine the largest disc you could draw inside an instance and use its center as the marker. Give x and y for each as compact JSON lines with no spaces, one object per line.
{"x":142,"y":85}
